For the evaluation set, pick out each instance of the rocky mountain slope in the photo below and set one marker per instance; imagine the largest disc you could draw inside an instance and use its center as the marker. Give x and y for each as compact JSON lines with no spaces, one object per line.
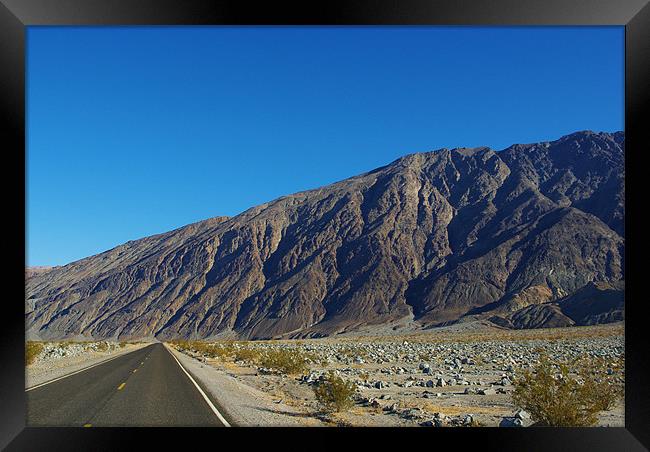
{"x":427,"y":240}
{"x":594,"y":303}
{"x":33,"y":271}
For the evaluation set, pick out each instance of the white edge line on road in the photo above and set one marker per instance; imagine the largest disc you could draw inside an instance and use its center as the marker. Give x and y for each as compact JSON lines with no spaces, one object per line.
{"x":210,"y":404}
{"x":80,"y":370}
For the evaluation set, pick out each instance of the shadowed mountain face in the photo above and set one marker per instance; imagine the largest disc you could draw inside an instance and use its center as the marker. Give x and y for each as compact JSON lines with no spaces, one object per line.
{"x":426,"y":240}
{"x":595,"y":303}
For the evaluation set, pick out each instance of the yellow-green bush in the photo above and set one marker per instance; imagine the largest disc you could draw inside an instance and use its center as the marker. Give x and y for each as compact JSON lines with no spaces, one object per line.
{"x":555,"y":398}
{"x":221,"y":350}
{"x":102,"y":346}
{"x":32,"y":350}
{"x":334,"y":394}
{"x":248,"y":355}
{"x":285,"y":361}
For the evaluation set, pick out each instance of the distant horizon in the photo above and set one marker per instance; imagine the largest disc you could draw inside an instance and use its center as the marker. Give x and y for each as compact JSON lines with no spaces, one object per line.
{"x":124,"y":141}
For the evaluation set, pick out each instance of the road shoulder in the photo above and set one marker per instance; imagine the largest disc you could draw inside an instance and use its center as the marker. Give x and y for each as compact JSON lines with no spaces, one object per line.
{"x":242,"y":404}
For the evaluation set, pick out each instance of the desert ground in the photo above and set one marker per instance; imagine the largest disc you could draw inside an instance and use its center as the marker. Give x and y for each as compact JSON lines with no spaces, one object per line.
{"x":454,"y":376}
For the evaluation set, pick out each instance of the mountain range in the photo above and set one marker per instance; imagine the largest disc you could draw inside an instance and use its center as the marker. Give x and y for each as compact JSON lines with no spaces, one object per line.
{"x":529,"y":236}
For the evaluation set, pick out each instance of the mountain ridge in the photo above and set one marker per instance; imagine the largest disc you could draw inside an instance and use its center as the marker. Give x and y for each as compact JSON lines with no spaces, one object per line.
{"x":430,"y":238}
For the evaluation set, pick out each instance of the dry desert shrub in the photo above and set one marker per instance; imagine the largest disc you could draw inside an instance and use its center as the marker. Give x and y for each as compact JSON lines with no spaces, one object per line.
{"x":555,"y":398}
{"x":32,"y":350}
{"x":285,"y":361}
{"x":334,"y":394}
{"x":102,"y":346}
{"x":248,"y":355}
{"x":211,"y":350}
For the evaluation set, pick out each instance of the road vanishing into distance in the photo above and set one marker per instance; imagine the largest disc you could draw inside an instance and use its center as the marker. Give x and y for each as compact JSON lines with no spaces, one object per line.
{"x":146,"y":387}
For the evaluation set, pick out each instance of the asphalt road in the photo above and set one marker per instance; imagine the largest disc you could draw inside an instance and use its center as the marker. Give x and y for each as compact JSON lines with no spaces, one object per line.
{"x":146,"y":387}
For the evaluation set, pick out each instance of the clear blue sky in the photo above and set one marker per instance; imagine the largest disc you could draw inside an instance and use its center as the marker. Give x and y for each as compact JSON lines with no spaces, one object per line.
{"x":134,"y":131}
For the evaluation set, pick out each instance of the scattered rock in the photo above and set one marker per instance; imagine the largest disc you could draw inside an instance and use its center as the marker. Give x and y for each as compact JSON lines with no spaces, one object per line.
{"x":488,"y":391}
{"x":523,"y":415}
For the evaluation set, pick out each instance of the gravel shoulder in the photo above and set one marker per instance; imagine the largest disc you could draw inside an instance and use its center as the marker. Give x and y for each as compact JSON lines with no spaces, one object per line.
{"x":49,"y":369}
{"x":243,"y":404}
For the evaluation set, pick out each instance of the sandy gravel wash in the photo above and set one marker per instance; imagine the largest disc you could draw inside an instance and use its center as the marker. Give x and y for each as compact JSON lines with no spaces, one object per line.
{"x":44,"y":371}
{"x":243,"y":405}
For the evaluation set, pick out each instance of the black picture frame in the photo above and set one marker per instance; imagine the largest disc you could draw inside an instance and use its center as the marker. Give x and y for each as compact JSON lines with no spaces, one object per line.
{"x":15,"y":15}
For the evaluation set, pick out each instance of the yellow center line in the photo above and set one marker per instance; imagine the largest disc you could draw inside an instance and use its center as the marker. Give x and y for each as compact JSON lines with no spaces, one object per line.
{"x":88,"y":425}
{"x":121,"y":386}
